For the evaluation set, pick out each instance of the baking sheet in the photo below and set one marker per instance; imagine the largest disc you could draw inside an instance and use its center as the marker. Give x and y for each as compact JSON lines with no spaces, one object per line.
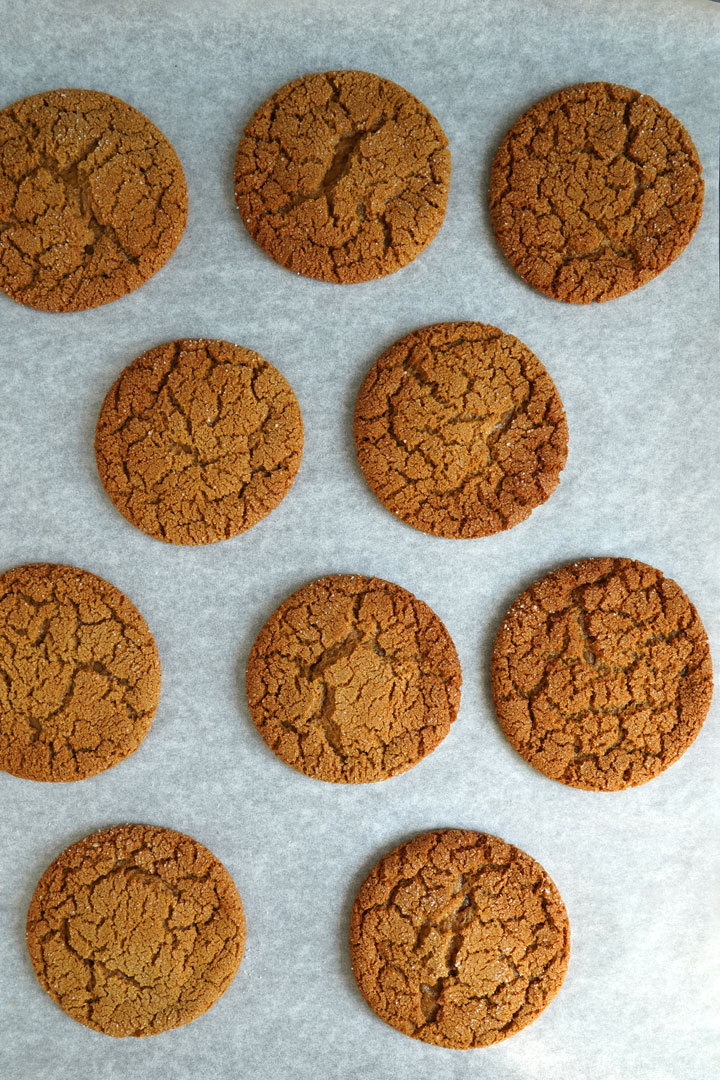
{"x":639,"y":870}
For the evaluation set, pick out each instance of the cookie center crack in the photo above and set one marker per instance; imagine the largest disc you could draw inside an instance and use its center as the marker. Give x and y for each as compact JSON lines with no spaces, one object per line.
{"x":341,"y":163}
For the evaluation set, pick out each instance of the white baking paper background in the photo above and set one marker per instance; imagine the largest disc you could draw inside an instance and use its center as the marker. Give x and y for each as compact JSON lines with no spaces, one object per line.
{"x":640,"y":379}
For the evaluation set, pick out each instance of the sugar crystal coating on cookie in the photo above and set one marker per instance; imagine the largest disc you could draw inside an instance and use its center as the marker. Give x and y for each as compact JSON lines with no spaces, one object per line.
{"x":93,"y":199}
{"x":342,"y":176}
{"x":79,"y":673}
{"x":135,"y":930}
{"x":601,"y":674}
{"x":198,"y":440}
{"x":459,"y":430}
{"x":458,"y":939}
{"x":353,"y":680}
{"x":594,"y":191}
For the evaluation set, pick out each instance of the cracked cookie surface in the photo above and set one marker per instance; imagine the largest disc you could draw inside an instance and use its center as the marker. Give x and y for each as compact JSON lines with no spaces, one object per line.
{"x":198,"y":441}
{"x":353,"y":680}
{"x":342,"y":176}
{"x":79,"y":673}
{"x":601,"y":674}
{"x":458,"y":939}
{"x":135,"y":930}
{"x":594,"y":191}
{"x":459,"y":430}
{"x":92,"y":200}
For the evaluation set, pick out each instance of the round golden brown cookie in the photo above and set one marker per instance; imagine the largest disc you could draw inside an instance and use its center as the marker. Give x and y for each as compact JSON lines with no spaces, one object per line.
{"x":601,"y":674}
{"x":92,"y":200}
{"x":458,"y":939}
{"x":353,"y":679}
{"x":79,"y":674}
{"x":135,"y":930}
{"x":459,"y":430}
{"x":594,"y":191}
{"x":342,"y":176}
{"x":198,"y":441}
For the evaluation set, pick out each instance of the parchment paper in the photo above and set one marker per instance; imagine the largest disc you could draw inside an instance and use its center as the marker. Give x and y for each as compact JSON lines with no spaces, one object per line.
{"x":639,"y":870}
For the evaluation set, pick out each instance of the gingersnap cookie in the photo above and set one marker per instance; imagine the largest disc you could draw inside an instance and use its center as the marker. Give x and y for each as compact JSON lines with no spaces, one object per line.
{"x":79,"y":673}
{"x":342,"y":176}
{"x":198,"y":441}
{"x":594,"y":191}
{"x":458,"y":939}
{"x":353,"y":680}
{"x":459,"y":430}
{"x":92,"y":200}
{"x":601,"y":674}
{"x":135,"y":930}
